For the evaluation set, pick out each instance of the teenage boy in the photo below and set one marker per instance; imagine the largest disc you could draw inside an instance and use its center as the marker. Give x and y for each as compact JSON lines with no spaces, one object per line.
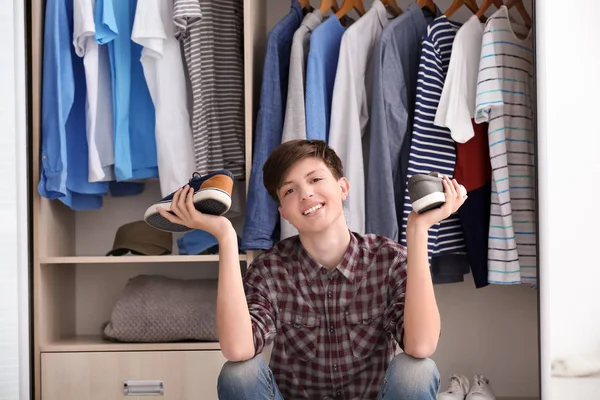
{"x":334,"y":303}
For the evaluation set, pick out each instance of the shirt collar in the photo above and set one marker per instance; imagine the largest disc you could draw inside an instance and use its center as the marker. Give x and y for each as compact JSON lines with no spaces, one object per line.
{"x":297,"y":8}
{"x":347,"y":266}
{"x":382,"y":13}
{"x":313,"y":19}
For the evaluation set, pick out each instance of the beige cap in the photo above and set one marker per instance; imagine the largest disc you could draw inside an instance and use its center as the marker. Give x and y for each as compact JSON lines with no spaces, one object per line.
{"x":141,"y":239}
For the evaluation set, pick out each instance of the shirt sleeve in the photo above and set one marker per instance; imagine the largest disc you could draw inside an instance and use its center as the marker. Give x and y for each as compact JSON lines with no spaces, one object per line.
{"x":261,"y":305}
{"x":148,"y":28}
{"x":106,"y":22}
{"x":83,"y":25}
{"x":453,"y":109}
{"x":394,"y":313}
{"x":387,"y":119}
{"x":489,"y":94}
{"x":345,"y":136}
{"x":186,"y":14}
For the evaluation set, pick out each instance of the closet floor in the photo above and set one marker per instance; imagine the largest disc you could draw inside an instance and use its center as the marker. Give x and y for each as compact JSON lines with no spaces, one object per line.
{"x":574,"y":388}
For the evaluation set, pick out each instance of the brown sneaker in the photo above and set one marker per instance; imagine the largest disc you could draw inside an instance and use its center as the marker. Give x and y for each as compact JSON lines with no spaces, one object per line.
{"x":212,"y":195}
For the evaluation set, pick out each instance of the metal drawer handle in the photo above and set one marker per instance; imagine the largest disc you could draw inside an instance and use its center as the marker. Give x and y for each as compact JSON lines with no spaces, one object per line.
{"x":143,"y":388}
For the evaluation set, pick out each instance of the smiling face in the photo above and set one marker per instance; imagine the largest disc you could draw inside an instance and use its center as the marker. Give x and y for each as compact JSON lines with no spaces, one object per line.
{"x":310,"y":196}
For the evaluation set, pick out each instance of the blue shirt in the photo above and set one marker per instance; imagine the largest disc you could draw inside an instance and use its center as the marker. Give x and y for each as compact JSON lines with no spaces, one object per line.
{"x":134,"y":120}
{"x":64,"y":164}
{"x":262,"y":216}
{"x":321,"y":67}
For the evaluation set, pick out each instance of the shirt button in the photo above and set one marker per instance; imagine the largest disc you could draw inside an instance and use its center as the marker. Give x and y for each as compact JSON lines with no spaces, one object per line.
{"x":335,"y":368}
{"x":338,"y":393}
{"x":330,"y":294}
{"x":323,"y":271}
{"x":331,"y":329}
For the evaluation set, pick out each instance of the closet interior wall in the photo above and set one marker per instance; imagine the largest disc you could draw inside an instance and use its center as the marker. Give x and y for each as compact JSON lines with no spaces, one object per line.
{"x":493,"y":330}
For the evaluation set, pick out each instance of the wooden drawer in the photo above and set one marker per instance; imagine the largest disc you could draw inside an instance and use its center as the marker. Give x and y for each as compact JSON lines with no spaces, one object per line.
{"x":185,"y":375}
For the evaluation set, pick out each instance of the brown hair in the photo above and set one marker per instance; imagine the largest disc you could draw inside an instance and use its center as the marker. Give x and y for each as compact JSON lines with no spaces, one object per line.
{"x":287,"y":154}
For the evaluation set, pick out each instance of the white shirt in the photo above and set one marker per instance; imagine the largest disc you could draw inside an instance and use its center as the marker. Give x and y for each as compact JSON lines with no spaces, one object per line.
{"x":153,"y":29}
{"x":457,"y":104}
{"x":99,"y":104}
{"x":350,"y":106}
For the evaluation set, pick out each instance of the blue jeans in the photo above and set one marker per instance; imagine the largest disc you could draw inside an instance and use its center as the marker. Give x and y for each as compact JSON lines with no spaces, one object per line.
{"x":406,"y":378}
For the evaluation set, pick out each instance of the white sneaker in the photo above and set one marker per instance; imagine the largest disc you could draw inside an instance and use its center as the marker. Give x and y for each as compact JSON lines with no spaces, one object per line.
{"x":459,"y":385}
{"x":481,"y":389}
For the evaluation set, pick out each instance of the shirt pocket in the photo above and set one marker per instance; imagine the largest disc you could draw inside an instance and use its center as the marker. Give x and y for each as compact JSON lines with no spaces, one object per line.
{"x":365,"y":328}
{"x":301,"y":332}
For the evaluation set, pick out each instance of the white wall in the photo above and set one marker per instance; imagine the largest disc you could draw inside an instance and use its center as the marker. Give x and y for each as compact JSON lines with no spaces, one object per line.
{"x":569,"y":139}
{"x":14,"y":329}
{"x":491,"y":330}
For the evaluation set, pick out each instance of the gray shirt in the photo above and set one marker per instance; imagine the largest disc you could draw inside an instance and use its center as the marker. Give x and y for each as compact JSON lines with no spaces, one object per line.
{"x":294,"y":125}
{"x":396,"y":66}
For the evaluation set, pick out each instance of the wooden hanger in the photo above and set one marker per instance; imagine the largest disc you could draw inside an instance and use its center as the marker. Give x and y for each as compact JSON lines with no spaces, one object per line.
{"x":392,"y":6}
{"x":306,"y":7}
{"x":348,"y":5}
{"x":327,"y":5}
{"x":429,"y":4}
{"x":456,"y":4}
{"x":487,"y":4}
{"x":522,"y":11}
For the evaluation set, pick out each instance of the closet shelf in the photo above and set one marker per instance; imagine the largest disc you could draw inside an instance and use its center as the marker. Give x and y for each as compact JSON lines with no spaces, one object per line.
{"x":132,"y":259}
{"x":96,"y":343}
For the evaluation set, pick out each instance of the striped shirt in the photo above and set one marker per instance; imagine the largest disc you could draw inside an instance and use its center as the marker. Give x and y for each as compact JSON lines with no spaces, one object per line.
{"x":504,"y":89}
{"x":432,"y":147}
{"x":211,"y":33}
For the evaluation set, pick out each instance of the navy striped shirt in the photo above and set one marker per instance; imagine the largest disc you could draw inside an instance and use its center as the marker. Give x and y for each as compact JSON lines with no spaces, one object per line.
{"x":432,"y":147}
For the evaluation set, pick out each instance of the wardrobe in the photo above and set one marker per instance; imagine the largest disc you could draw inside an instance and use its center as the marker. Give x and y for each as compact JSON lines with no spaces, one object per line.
{"x":492,"y":330}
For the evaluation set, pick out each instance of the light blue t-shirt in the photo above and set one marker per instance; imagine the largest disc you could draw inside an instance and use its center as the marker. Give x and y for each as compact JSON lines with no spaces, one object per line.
{"x":134,"y":121}
{"x":64,"y":163}
{"x":321,"y":68}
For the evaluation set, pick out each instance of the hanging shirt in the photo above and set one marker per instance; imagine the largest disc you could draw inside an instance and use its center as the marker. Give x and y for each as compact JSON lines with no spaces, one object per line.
{"x":432,"y":148}
{"x":163,"y":69}
{"x":133,"y":111}
{"x":456,"y":110}
{"x":394,"y":87}
{"x":351,"y":105}
{"x":211,"y":33}
{"x":261,"y":212}
{"x":64,"y":158}
{"x":294,"y":126}
{"x":321,"y":67}
{"x":99,"y":106}
{"x":504,"y":100}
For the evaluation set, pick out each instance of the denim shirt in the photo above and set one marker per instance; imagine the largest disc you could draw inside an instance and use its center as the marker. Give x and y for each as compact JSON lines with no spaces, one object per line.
{"x":262,"y":216}
{"x":64,"y":152}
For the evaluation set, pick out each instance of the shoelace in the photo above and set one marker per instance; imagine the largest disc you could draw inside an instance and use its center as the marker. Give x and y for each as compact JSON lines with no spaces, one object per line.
{"x":479,"y":387}
{"x":454,"y":384}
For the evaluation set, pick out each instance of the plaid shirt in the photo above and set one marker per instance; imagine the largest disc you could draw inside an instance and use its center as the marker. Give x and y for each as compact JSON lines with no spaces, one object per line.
{"x":333,"y":330}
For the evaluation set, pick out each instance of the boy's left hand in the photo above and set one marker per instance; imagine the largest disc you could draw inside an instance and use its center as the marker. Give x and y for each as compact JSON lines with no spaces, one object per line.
{"x":454,"y":200}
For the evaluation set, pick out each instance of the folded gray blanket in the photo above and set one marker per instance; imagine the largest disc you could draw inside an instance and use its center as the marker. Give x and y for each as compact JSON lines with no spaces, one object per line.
{"x":154,"y":308}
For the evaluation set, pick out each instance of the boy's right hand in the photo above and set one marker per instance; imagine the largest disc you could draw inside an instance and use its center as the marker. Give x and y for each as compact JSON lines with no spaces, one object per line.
{"x":186,"y":214}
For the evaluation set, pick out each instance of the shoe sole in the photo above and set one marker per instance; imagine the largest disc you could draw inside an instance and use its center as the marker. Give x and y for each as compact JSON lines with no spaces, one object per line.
{"x":433,"y":200}
{"x":429,"y":202}
{"x":208,"y":201}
